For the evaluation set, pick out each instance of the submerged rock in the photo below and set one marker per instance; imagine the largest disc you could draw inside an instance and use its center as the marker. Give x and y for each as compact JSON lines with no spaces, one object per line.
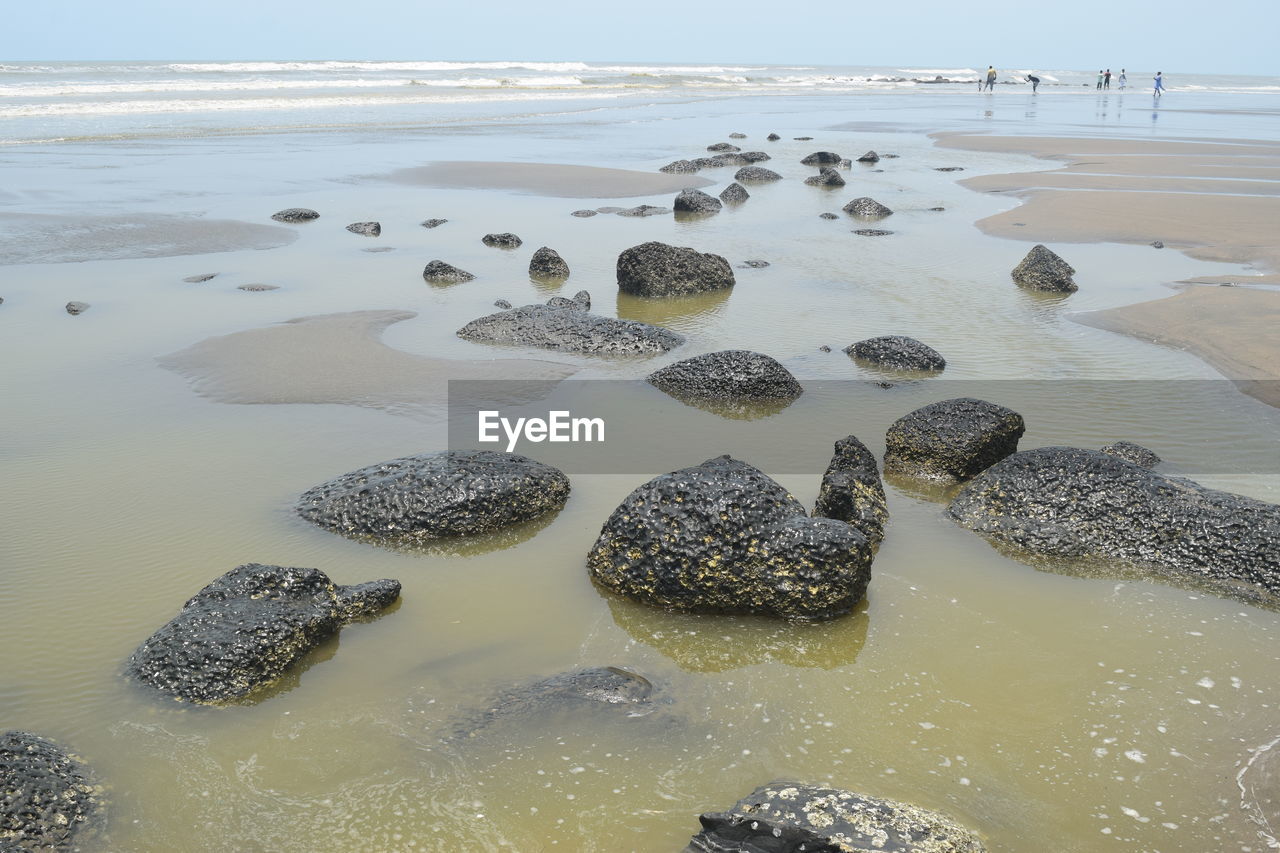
{"x":735,"y":193}
{"x":821,"y":158}
{"x":657,"y":269}
{"x":438,"y":272}
{"x":897,"y":352}
{"x":645,"y":210}
{"x":295,"y":214}
{"x":258,"y":287}
{"x":76,"y":308}
{"x":433,"y":223}
{"x":867,"y":208}
{"x":827,"y":216}
{"x":723,"y":537}
{"x":756,"y":175}
{"x":871,"y":232}
{"x":696,"y":201}
{"x":47,"y":798}
{"x":367,"y":229}
{"x":754,"y":263}
{"x":436,"y":495}
{"x":729,"y":376}
{"x":583,"y":214}
{"x":723,"y":146}
{"x":869,"y":157}
{"x":570,"y":329}
{"x":790,"y":817}
{"x":200,"y":279}
{"x":680,"y":167}
{"x":754,"y":156}
{"x":949,"y":169}
{"x":501,"y":303}
{"x":852,"y":491}
{"x":505,"y":240}
{"x":1135,"y":453}
{"x":547,"y":263}
{"x":1071,"y":502}
{"x":1042,"y":269}
{"x":951,"y":440}
{"x":737,"y":136}
{"x":825,"y":178}
{"x":247,"y":628}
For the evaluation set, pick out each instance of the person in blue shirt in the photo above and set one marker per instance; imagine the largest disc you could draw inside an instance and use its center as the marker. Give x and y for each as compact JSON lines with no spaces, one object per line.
{"x":1159,"y":83}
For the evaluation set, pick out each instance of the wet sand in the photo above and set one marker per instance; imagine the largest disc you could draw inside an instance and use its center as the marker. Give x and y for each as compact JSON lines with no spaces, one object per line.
{"x":548,"y":179}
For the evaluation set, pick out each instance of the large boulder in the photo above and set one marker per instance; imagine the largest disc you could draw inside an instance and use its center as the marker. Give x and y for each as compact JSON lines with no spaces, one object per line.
{"x":1071,"y":502}
{"x":247,"y":628}
{"x":436,"y":495}
{"x":756,"y":175}
{"x":568,"y":328}
{"x":696,"y":201}
{"x":735,"y":193}
{"x":897,"y":352}
{"x":826,"y":178}
{"x":47,"y":798}
{"x":951,"y":440}
{"x":438,"y":272}
{"x":547,"y":263}
{"x":723,"y":537}
{"x":852,"y":492}
{"x":1042,"y":269}
{"x":867,"y":208}
{"x":728,"y":376}
{"x":657,"y":269}
{"x":295,"y":214}
{"x":791,"y":817}
{"x":822,"y":158}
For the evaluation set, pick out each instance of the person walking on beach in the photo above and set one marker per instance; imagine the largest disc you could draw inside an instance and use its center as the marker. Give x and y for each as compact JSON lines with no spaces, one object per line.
{"x":1159,"y":83}
{"x":991,"y":77}
{"x":1034,"y":81}
{"x":1099,"y":79}
{"x":1122,"y":78}
{"x":1106,"y":79}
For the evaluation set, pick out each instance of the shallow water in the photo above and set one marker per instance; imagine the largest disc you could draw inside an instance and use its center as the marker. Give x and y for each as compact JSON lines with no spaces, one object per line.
{"x":1042,"y":709}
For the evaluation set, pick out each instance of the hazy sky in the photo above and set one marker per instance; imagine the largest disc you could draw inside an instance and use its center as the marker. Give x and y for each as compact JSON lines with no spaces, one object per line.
{"x":1227,"y":36}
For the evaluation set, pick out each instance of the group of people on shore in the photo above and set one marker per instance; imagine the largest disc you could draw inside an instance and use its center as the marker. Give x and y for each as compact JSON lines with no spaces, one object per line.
{"x":1104,"y":80}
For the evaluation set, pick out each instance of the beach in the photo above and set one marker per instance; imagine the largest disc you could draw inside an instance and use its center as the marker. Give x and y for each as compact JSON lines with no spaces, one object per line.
{"x":228,"y":361}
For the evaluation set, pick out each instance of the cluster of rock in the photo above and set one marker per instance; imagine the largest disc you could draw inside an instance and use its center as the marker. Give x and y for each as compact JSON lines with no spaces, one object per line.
{"x":565,"y":325}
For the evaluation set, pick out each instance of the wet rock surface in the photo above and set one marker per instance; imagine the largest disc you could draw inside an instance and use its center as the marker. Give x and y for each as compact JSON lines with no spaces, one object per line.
{"x":505,"y":240}
{"x":645,"y":210}
{"x":822,"y":158}
{"x":439,"y":272}
{"x":825,"y":178}
{"x":1042,"y":269}
{"x":569,"y":328}
{"x":756,"y":175}
{"x":433,"y":223}
{"x":1135,"y":453}
{"x":1071,"y":502}
{"x":852,"y":491}
{"x":696,"y":201}
{"x":951,"y":440}
{"x":436,"y":495}
{"x":897,"y":352}
{"x":247,"y":628}
{"x":735,"y":193}
{"x":657,"y":269}
{"x":729,"y":376}
{"x":366,"y":229}
{"x":77,"y":308}
{"x":723,"y":537}
{"x":547,"y":263}
{"x":47,"y":798}
{"x":791,"y":817}
{"x":295,"y":214}
{"x":867,"y":208}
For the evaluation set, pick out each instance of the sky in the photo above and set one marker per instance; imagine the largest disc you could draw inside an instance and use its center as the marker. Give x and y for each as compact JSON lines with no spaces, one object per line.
{"x":1227,"y":37}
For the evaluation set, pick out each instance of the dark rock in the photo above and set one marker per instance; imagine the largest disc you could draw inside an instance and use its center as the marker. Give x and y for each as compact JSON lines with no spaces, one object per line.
{"x":198,"y":279}
{"x":869,"y":157}
{"x":802,"y":138}
{"x":821,"y":158}
{"x":825,"y":178}
{"x":754,"y":264}
{"x":505,"y":240}
{"x":1157,"y":244}
{"x":583,"y":214}
{"x":867,"y":208}
{"x":937,"y":209}
{"x":1069,"y":502}
{"x":735,"y":193}
{"x":737,"y":136}
{"x":1135,"y":453}
{"x":951,"y":440}
{"x":890,"y":156}
{"x":501,"y":303}
{"x":871,"y":232}
{"x":582,"y":300}
{"x":754,"y":156}
{"x":547,"y":263}
{"x":723,"y":146}
{"x":827,"y":216}
{"x":949,"y":169}
{"x":789,"y":817}
{"x":645,"y":210}
{"x":723,"y":537}
{"x":47,"y":797}
{"x":570,"y":329}
{"x":897,"y":352}
{"x":824,"y":348}
{"x":679,"y":167}
{"x":436,"y":495}
{"x":74,"y":308}
{"x":368,"y":229}
{"x":756,"y":175}
{"x":258,"y":288}
{"x":1042,"y":269}
{"x":295,"y":214}
{"x":438,"y":272}
{"x":247,"y":628}
{"x":433,"y":223}
{"x":729,"y":375}
{"x":696,"y":201}
{"x":773,"y":137}
{"x":852,"y":492}
{"x":657,"y":269}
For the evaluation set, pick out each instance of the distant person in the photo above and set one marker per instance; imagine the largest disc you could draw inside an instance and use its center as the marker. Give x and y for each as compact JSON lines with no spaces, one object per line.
{"x":1034,"y":81}
{"x":1123,"y":79}
{"x":1099,"y":79}
{"x":1159,"y":83}
{"x":1106,"y":79}
{"x":991,"y":77}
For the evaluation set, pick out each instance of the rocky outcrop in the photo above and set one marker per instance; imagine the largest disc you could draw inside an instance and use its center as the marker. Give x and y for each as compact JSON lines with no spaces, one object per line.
{"x":756,"y":175}
{"x":366,"y":229}
{"x":505,"y":240}
{"x":729,"y":376}
{"x":436,"y":495}
{"x":790,"y":817}
{"x":897,"y":352}
{"x":1135,"y":453}
{"x":1070,"y":502}
{"x":568,"y":328}
{"x":77,"y":308}
{"x":247,"y":628}
{"x":48,"y":801}
{"x":826,"y":178}
{"x":822,"y":158}
{"x":735,"y":193}
{"x":547,"y":263}
{"x":1042,"y":269}
{"x":645,"y":210}
{"x":295,"y":214}
{"x":657,"y":269}
{"x":869,"y":157}
{"x":433,"y":223}
{"x":723,"y":537}
{"x":852,"y":491}
{"x":696,"y":201}
{"x":438,"y":272}
{"x":680,"y":167}
{"x":867,"y":208}
{"x":951,"y":440}
{"x":723,"y":146}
